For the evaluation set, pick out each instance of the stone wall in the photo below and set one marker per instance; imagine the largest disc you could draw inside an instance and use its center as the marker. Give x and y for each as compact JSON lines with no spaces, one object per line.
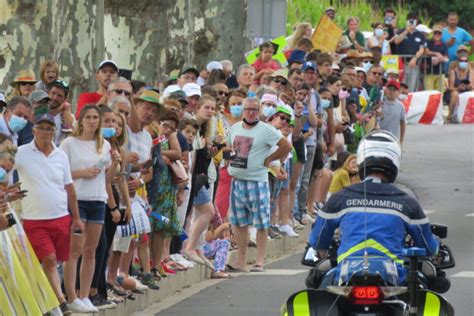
{"x":150,"y":37}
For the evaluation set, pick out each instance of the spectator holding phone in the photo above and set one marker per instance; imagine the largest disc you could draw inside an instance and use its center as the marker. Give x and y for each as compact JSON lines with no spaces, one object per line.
{"x":93,"y":164}
{"x":411,"y":42}
{"x":46,"y":175}
{"x":454,"y":36}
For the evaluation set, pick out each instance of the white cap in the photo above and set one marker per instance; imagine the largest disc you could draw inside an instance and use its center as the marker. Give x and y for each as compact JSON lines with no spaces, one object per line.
{"x":357,"y":69}
{"x":335,"y":66}
{"x":192,"y":89}
{"x":213,"y":65}
{"x":423,"y":28}
{"x":170,"y":89}
{"x":108,"y":62}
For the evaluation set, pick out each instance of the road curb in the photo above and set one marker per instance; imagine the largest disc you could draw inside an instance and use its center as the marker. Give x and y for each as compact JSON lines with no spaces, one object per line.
{"x":174,"y":283}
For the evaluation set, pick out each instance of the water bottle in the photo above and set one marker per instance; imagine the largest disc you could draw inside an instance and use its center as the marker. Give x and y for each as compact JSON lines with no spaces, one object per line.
{"x":160,"y":218}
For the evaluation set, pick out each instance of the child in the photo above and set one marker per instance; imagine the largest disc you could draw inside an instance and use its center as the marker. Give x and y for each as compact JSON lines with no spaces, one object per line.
{"x":217,"y":246}
{"x":346,"y":174}
{"x":49,"y":73}
{"x":265,"y":65}
{"x":304,"y":46}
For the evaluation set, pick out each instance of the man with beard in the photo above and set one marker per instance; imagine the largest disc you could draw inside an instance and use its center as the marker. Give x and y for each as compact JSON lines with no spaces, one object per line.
{"x":106,"y":73}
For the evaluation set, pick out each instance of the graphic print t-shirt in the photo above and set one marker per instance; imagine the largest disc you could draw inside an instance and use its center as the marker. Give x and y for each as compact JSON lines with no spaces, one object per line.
{"x":251,"y":147}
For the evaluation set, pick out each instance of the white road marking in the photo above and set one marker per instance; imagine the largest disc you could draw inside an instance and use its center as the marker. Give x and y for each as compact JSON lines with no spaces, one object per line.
{"x":429,"y":212}
{"x":470,"y":215}
{"x":464,"y":274}
{"x":279,"y":272}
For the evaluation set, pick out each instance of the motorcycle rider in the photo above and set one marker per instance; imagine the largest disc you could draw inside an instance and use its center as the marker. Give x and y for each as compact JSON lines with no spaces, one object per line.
{"x":374,"y":215}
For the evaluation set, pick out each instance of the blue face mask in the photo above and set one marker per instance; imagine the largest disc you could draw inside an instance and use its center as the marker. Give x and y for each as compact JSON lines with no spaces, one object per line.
{"x":367,"y":66}
{"x":268,"y":111}
{"x":325,"y":103}
{"x":236,"y":110}
{"x":378,"y":32}
{"x":462,"y":64}
{"x":108,"y":132}
{"x":16,"y":123}
{"x":3,"y":175}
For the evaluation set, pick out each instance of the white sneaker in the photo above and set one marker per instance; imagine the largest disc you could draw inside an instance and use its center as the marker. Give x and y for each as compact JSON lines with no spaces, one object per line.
{"x":179,"y":258}
{"x":287,"y":230}
{"x":90,"y":307}
{"x":55,"y":312}
{"x":77,"y":306}
{"x":309,"y":219}
{"x":139,"y":285}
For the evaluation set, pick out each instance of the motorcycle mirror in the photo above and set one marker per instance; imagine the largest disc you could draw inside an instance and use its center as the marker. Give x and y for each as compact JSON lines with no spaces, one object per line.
{"x":439,"y":230}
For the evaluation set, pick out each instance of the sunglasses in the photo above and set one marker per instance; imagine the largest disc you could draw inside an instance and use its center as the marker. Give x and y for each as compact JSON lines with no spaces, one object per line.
{"x":376,"y":73}
{"x":437,"y":33}
{"x":283,"y":82}
{"x":27,"y":83}
{"x":462,"y":60}
{"x":61,"y":83}
{"x":46,"y":130}
{"x":251,"y":110}
{"x":121,"y":91}
{"x":284,"y":118}
{"x":223,"y":93}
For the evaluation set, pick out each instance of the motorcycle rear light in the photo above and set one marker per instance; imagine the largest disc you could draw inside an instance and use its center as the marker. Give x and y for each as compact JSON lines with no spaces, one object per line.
{"x":366,"y":295}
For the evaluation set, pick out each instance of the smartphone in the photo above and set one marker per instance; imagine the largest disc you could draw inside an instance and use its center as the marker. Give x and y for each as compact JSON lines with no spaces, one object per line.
{"x":77,"y":232}
{"x":11,"y":220}
{"x":23,"y":192}
{"x":229,"y":155}
{"x":126,"y":73}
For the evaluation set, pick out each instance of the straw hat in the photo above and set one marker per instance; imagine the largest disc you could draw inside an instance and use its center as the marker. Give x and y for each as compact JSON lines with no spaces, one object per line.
{"x":24,"y":76}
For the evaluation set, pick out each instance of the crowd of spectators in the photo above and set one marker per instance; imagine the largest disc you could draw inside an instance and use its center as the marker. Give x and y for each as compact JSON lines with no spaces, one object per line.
{"x":132,"y":184}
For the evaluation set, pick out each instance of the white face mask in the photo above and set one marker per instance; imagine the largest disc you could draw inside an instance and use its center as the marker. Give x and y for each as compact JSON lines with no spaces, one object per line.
{"x":402,"y":97}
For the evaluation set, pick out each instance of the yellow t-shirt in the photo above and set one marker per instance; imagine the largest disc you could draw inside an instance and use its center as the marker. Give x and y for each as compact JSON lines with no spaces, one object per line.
{"x":340,"y":180}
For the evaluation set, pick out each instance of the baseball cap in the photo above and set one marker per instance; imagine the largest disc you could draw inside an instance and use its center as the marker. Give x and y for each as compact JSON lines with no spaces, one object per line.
{"x":213,"y":65}
{"x":335,"y":66}
{"x":190,"y":69}
{"x":174,"y":74}
{"x":423,"y":28}
{"x":330,"y":9}
{"x":41,"y":113}
{"x":192,"y":89}
{"x":280,"y":73}
{"x":149,"y":96}
{"x":284,"y":110}
{"x":178,"y":95}
{"x":438,"y":28}
{"x":38,"y":95}
{"x":309,"y":65}
{"x":108,"y":62}
{"x":393,"y":83}
{"x":462,"y":48}
{"x":357,"y":69}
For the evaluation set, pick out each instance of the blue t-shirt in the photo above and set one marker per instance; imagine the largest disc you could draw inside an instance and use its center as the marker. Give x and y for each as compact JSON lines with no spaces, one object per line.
{"x":462,"y":37}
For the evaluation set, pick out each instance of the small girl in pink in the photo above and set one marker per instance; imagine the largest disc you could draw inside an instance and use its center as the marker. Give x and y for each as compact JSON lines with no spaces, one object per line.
{"x":265,"y":65}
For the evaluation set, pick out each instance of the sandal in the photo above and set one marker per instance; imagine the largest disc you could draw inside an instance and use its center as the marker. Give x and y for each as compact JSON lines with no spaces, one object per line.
{"x":257,"y":268}
{"x":229,"y":268}
{"x":167,"y":269}
{"x":220,"y":275}
{"x":174,"y":265}
{"x":117,"y":289}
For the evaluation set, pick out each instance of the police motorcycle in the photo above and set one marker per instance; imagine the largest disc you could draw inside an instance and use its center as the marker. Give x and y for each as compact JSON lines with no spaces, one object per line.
{"x":369,"y":285}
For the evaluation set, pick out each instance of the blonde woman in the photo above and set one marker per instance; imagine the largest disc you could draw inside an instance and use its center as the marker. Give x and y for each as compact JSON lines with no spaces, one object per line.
{"x":93,"y":164}
{"x":23,"y":84}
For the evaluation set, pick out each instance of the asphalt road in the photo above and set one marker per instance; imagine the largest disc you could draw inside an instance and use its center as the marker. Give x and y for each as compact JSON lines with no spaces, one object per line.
{"x":438,"y":166}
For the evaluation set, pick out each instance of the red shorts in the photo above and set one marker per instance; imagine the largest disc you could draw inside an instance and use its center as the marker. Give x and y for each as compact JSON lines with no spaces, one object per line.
{"x":50,"y":236}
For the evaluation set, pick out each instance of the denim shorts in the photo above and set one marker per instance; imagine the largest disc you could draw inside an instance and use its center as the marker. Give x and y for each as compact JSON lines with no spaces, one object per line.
{"x":92,"y":211}
{"x":202,"y":197}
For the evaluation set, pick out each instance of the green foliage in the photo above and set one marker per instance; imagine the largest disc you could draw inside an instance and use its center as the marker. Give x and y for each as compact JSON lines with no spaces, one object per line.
{"x":369,"y":11}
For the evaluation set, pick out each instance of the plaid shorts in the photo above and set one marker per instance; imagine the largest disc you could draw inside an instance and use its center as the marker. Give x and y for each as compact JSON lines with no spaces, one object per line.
{"x":250,"y":204}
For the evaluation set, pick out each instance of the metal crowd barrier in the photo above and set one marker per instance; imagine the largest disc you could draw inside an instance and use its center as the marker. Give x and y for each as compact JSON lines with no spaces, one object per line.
{"x":414,"y":77}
